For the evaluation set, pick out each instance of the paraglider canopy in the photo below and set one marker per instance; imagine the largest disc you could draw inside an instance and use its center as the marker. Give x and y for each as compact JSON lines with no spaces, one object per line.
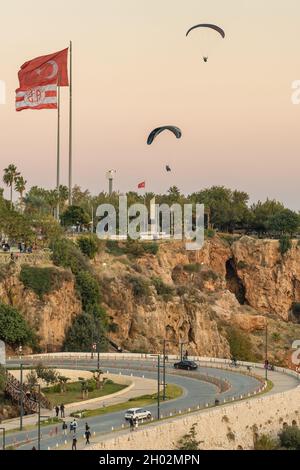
{"x":206,"y":25}
{"x":175,"y":130}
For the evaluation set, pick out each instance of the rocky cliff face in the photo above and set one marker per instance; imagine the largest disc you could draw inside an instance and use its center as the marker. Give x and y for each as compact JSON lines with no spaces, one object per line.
{"x":49,"y":317}
{"x":193,"y":297}
{"x":224,"y":285}
{"x":271,"y":281}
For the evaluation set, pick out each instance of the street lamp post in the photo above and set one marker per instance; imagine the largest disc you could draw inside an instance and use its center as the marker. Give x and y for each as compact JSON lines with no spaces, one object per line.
{"x":266,"y":360}
{"x":21,"y":397}
{"x":158,"y":387}
{"x":98,"y":358}
{"x":39,"y":415}
{"x":158,"y":384}
{"x":164,"y":366}
{"x":3,"y":438}
{"x":164,"y":370}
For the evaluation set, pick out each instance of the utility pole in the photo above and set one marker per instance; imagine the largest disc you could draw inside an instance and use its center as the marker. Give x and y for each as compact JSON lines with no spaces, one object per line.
{"x":266,"y":343}
{"x":164,"y":370}
{"x":21,"y":397}
{"x":158,"y":386}
{"x":39,"y":417}
{"x":164,"y":366}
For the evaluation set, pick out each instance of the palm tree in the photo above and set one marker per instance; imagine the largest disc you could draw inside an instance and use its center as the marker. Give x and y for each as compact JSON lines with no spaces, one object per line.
{"x":52,"y":198}
{"x":63,"y":196}
{"x":20,"y":186}
{"x":10,"y":175}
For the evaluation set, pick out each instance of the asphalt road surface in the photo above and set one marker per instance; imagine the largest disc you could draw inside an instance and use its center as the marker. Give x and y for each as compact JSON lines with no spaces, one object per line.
{"x":195,"y":392}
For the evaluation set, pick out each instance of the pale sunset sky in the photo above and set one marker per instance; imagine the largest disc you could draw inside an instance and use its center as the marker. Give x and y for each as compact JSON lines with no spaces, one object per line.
{"x":134,"y":70}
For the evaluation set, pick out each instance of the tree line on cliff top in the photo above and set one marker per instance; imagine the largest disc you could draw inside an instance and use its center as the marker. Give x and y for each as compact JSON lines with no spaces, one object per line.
{"x":32,"y":217}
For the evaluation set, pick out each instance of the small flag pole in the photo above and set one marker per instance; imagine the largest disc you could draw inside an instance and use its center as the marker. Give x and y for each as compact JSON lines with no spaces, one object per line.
{"x":70,"y":129}
{"x":58,"y":147}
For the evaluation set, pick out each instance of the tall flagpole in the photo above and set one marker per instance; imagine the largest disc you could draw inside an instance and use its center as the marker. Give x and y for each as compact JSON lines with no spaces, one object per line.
{"x":70,"y":129}
{"x":58,"y":147}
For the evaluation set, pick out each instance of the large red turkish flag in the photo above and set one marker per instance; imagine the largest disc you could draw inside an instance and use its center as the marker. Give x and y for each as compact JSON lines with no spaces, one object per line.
{"x":46,"y":70}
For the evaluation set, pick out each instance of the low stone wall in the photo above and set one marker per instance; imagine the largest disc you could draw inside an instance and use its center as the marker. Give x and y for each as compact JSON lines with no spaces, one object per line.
{"x":227,"y":427}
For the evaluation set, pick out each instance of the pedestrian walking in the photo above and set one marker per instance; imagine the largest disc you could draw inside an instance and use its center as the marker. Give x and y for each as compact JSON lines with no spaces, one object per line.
{"x":74,"y":442}
{"x":136,"y":424}
{"x":64,"y":428}
{"x":87,"y":428}
{"x":57,"y":411}
{"x":87,"y":436}
{"x":73,"y":426}
{"x":62,"y":410}
{"x":131,"y":423}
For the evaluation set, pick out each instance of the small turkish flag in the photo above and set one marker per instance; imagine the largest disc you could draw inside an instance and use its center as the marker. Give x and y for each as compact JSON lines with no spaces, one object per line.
{"x":42,"y":97}
{"x":49,"y":69}
{"x":142,"y":185}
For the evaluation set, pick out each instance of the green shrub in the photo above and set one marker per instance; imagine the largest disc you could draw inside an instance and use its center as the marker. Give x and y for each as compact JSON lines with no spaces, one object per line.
{"x":74,"y":215}
{"x":2,"y":379}
{"x":209,"y":275}
{"x":189,"y":440}
{"x":162,"y":289}
{"x":91,"y":385}
{"x":290,"y":437}
{"x":114,"y":248}
{"x":66,"y":254}
{"x":151,"y":248}
{"x":285,"y":244}
{"x":89,"y":290}
{"x":88,"y":245}
{"x":192,"y":268}
{"x":47,"y":374}
{"x":109,"y":382}
{"x":14,"y":330}
{"x":209,"y":233}
{"x":242,"y":265}
{"x":138,"y":248}
{"x":113,"y":327}
{"x":140,"y":286}
{"x":53,"y":389}
{"x":43,"y":280}
{"x":265,"y":442}
{"x":240,"y":345}
{"x":276,"y":337}
{"x":83,"y":332}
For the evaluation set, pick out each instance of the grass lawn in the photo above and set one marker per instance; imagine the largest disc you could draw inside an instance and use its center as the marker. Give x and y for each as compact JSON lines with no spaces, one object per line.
{"x":73,"y":393}
{"x":172,"y":392}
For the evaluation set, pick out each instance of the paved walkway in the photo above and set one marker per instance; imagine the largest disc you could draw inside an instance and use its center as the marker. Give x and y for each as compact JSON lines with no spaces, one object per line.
{"x":138,"y":386}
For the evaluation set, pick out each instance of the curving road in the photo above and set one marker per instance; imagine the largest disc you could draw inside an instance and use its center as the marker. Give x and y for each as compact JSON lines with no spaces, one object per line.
{"x":195,"y":393}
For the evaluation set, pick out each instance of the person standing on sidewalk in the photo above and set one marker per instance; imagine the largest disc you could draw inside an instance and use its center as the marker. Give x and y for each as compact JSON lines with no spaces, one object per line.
{"x":64,"y":428}
{"x":131,"y":423}
{"x":87,"y":436}
{"x":74,"y":442}
{"x":62,"y":410}
{"x":57,"y":411}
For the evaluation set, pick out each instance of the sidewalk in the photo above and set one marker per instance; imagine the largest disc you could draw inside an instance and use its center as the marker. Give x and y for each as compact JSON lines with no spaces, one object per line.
{"x":137,"y":386}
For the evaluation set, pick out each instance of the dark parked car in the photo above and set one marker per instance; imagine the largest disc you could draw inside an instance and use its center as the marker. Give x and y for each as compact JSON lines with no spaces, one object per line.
{"x":186,"y":365}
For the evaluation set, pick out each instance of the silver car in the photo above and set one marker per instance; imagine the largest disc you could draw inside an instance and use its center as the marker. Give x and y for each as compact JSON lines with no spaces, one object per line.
{"x":137,"y":414}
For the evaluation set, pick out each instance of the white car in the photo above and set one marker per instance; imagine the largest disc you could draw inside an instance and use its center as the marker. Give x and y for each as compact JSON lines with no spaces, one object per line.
{"x":137,"y":413}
